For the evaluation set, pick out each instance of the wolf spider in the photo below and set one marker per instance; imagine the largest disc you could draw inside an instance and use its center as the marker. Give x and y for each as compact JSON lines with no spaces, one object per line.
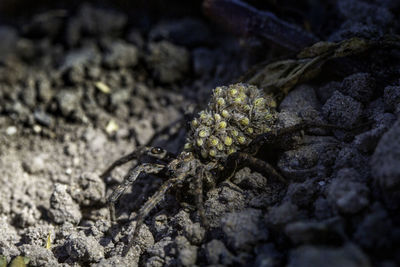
{"x":188,"y":167}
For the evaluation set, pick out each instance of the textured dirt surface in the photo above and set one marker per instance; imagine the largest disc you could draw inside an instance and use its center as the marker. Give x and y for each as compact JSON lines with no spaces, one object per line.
{"x":79,"y":91}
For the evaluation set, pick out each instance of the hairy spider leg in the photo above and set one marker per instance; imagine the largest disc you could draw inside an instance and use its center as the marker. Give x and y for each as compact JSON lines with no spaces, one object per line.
{"x":240,"y":158}
{"x":277,"y":134}
{"x":128,"y":180}
{"x":201,"y":173}
{"x":150,"y":204}
{"x":154,"y":152}
{"x":247,"y":157}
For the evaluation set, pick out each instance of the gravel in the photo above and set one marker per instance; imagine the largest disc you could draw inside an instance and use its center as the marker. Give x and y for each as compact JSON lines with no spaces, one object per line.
{"x":81,"y":88}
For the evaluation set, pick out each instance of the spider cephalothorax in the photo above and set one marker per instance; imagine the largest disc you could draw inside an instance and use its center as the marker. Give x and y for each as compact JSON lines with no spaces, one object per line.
{"x":239,"y":120}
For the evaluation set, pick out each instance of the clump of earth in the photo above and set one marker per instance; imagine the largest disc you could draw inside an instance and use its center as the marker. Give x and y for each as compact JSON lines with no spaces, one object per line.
{"x":80,"y":88}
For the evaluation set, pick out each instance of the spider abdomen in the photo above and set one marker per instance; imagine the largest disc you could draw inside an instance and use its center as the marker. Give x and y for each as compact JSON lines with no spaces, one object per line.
{"x":235,"y":115}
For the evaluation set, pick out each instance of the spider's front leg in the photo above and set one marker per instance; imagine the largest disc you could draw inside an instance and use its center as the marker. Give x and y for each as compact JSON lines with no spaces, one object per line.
{"x":154,"y":152}
{"x":150,"y":204}
{"x":129,"y":179}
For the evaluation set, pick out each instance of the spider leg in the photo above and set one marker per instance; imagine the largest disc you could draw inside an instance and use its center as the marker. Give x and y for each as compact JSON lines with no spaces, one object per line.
{"x":129,"y":179}
{"x":277,"y":134}
{"x":141,"y":151}
{"x":150,"y":204}
{"x":239,"y":158}
{"x":199,"y":195}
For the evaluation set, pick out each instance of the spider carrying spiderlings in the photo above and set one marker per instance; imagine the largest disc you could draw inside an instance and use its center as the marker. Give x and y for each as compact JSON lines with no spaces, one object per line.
{"x":239,"y":120}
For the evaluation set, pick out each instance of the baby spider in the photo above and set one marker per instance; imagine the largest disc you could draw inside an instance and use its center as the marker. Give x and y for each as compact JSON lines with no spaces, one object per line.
{"x":238,"y":121}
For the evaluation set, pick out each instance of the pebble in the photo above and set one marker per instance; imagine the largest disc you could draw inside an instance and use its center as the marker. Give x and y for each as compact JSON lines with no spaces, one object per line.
{"x":88,"y":190}
{"x":34,"y":165}
{"x":243,"y":229}
{"x":83,"y":249}
{"x":217,"y":253}
{"x":170,"y":63}
{"x":349,"y":197}
{"x":11,"y":130}
{"x":120,"y":54}
{"x":284,"y":213}
{"x":38,"y":255}
{"x":359,"y":86}
{"x":342,"y":110}
{"x":62,"y":206}
{"x":43,"y":118}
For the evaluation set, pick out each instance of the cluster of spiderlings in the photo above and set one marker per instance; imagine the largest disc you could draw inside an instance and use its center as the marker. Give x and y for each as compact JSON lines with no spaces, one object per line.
{"x":235,"y":115}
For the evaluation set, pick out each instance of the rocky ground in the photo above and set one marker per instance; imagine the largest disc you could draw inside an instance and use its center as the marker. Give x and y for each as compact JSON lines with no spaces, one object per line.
{"x":78,"y":89}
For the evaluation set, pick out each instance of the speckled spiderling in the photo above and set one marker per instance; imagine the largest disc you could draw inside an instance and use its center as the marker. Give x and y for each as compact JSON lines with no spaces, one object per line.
{"x":235,"y":115}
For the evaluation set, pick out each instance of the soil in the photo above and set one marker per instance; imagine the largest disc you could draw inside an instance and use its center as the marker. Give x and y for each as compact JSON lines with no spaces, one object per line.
{"x":81,"y":87}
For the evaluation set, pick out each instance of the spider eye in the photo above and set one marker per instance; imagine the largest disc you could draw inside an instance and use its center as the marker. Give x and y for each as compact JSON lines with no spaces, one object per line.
{"x":179,"y":165}
{"x":156,"y":150}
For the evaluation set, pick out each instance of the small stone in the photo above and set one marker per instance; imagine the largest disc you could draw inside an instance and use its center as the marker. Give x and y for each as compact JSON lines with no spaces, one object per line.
{"x":187,"y":254}
{"x":68,"y":102}
{"x":342,"y":110}
{"x":170,"y":63}
{"x":283,"y":214}
{"x":359,"y":86}
{"x":62,"y":207}
{"x":302,"y":194}
{"x":82,"y":248}
{"x":120,"y":54}
{"x":102,"y":87}
{"x":43,"y":118}
{"x":192,"y":231}
{"x":348,"y":196}
{"x":221,"y":201}
{"x":367,"y":141}
{"x":111,"y":127}
{"x":38,"y":255}
{"x":144,"y":131}
{"x":74,"y":75}
{"x":302,"y":101}
{"x":45,"y":93}
{"x":11,"y":130}
{"x":164,"y":250}
{"x":8,"y":238}
{"x":245,"y":179}
{"x":34,"y":165}
{"x":89,"y":190}
{"x":243,"y":229}
{"x":29,"y":94}
{"x":217,"y":253}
